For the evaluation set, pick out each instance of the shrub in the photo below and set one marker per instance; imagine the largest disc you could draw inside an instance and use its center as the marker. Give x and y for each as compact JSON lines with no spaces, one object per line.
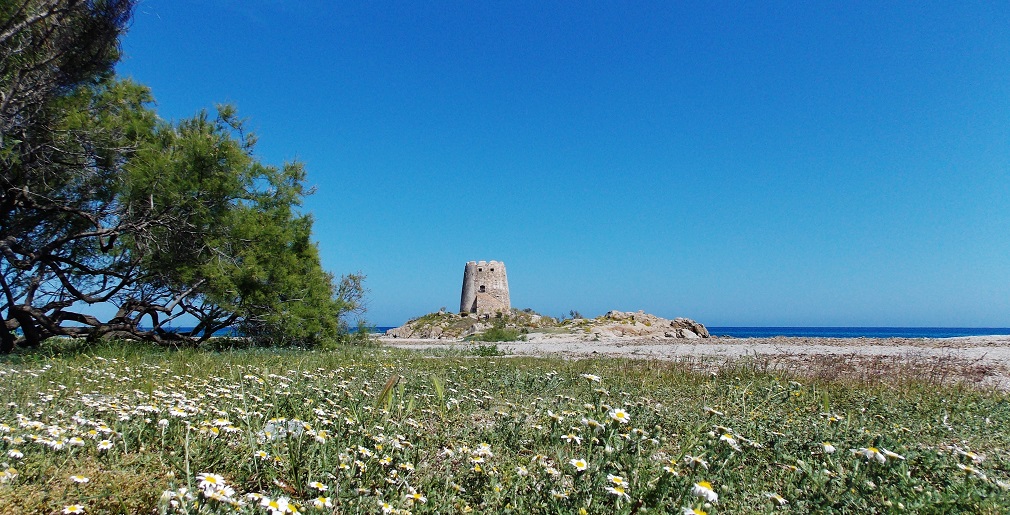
{"x":498,"y":333}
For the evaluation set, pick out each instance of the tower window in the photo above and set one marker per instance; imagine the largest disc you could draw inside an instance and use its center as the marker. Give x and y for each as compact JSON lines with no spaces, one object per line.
{"x":482,"y":288}
{"x":492,"y":269}
{"x":480,"y":269}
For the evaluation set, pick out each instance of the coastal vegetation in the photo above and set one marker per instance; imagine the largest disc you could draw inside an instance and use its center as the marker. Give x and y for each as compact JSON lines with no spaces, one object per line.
{"x":126,"y":428}
{"x":104,"y":203}
{"x":499,"y":332}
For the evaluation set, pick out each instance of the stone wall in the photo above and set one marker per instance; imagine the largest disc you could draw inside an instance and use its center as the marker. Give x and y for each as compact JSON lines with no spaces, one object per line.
{"x":485,"y":288}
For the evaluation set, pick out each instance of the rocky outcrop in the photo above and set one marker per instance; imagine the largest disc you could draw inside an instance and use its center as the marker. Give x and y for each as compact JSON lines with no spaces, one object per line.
{"x":642,"y":325}
{"x":405,"y":331}
{"x":617,"y":324}
{"x":441,"y":325}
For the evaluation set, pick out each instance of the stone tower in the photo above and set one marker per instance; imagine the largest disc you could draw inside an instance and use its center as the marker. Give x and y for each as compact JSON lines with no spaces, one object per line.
{"x":485,"y":288}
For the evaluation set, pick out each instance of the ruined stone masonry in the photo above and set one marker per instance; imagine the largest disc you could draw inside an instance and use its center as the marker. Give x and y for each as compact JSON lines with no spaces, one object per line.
{"x":485,"y":288}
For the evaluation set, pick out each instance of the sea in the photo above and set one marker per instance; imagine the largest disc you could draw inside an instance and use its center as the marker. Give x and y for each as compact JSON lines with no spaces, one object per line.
{"x":857,"y":332}
{"x":814,"y":332}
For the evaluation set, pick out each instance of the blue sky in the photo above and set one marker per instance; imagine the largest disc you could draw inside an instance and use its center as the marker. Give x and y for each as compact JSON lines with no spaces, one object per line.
{"x":737,"y":163}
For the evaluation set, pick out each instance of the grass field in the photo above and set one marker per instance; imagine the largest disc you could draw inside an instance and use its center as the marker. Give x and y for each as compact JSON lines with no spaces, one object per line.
{"x":129,"y":429}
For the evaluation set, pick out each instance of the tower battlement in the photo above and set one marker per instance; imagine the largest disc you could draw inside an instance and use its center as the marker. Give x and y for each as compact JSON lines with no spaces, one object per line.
{"x":485,"y":288}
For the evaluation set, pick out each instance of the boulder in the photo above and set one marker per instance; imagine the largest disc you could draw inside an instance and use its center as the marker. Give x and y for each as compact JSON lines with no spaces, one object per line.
{"x":696,"y":328}
{"x":644,"y":325}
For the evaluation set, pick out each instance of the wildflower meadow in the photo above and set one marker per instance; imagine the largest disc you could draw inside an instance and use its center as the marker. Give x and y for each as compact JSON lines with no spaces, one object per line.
{"x":131,"y":429}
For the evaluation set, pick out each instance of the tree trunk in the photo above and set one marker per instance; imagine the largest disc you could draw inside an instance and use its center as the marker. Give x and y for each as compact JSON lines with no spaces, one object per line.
{"x":28,"y":328}
{"x":7,"y":339}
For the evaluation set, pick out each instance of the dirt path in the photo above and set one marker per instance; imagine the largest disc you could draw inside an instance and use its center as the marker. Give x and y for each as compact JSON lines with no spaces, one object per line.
{"x":981,"y":361}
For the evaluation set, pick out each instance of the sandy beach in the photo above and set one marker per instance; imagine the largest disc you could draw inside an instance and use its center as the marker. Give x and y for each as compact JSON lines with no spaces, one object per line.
{"x":978,"y":361}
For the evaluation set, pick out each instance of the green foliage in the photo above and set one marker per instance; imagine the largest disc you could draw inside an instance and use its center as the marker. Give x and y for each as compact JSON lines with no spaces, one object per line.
{"x":497,"y":333}
{"x":487,"y":351}
{"x":363,"y":335}
{"x":103,"y":202}
{"x":237,"y":240}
